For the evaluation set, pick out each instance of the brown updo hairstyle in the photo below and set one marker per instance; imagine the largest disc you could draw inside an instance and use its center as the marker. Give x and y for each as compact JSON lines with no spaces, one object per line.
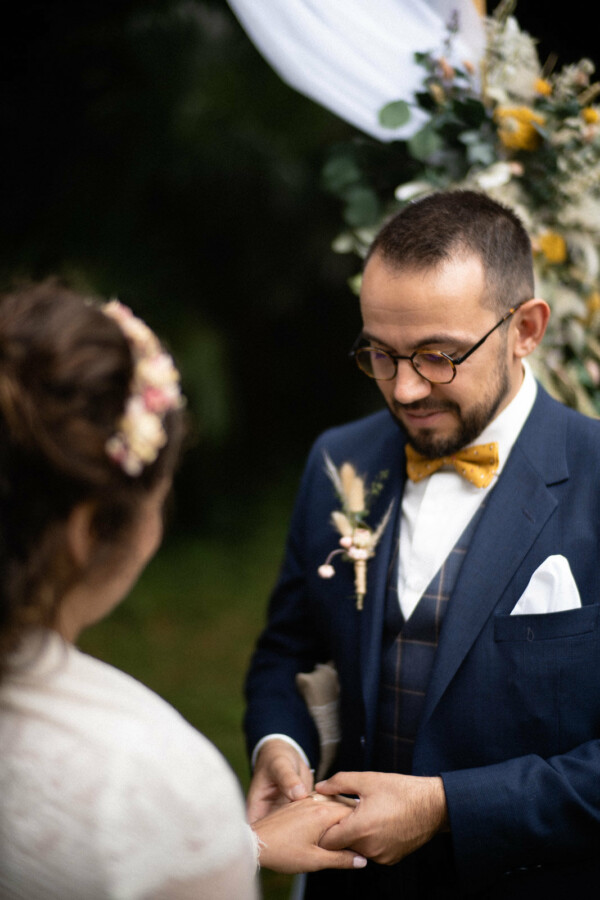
{"x":65,"y":373}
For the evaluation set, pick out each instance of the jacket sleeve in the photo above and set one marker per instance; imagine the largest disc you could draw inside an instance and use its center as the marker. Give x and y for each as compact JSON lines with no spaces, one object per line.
{"x":525,"y":813}
{"x":290,"y":642}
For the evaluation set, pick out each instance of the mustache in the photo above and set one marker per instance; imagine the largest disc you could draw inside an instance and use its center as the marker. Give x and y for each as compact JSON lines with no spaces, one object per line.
{"x":426,"y":405}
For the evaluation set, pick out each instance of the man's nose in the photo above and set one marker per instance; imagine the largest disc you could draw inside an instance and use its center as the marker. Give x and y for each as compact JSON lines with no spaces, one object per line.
{"x":409,"y":386}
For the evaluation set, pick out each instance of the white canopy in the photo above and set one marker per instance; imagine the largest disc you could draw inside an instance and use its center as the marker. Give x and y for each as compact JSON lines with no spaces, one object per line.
{"x":354,"y":56}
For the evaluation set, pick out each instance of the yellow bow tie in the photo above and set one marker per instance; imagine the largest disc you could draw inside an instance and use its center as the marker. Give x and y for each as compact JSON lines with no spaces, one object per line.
{"x":477,"y":464}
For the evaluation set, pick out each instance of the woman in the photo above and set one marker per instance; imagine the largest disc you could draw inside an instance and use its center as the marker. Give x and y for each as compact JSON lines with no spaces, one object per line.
{"x":106,"y":791}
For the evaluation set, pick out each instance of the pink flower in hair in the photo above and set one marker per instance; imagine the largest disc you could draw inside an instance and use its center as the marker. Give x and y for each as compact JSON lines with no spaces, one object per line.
{"x":155,"y":390}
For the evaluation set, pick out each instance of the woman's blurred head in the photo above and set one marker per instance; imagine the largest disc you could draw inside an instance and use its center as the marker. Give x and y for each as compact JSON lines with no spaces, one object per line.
{"x":90,"y":418}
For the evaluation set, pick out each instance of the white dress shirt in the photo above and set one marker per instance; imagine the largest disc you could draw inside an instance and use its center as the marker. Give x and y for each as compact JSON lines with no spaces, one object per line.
{"x":436,"y":510}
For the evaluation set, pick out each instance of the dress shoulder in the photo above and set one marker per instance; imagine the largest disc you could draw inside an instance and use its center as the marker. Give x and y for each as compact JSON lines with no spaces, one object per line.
{"x":135,"y":802}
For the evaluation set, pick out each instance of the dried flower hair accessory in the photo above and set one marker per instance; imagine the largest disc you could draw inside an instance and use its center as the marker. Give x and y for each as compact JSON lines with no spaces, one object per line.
{"x":154,"y":391}
{"x":358,"y":540}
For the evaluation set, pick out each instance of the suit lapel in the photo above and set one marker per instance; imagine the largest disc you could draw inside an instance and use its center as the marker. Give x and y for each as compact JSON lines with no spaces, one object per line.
{"x":378,"y":573}
{"x":516,"y":511}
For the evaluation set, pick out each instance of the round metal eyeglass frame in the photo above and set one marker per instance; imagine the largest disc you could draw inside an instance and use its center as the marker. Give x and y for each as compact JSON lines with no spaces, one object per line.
{"x":427,"y":355}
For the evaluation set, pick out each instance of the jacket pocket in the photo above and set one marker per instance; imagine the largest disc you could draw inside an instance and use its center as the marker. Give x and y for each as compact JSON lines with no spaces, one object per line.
{"x":546,"y":669}
{"x":547,"y":627}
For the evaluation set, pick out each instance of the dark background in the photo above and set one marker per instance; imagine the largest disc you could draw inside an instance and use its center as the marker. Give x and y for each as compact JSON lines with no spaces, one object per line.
{"x":150,"y":152}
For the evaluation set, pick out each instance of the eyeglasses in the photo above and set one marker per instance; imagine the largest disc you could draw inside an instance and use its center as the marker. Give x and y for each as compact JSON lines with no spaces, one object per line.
{"x":434,"y":366}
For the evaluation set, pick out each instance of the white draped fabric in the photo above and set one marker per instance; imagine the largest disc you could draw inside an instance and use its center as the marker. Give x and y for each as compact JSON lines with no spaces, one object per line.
{"x":354,"y":56}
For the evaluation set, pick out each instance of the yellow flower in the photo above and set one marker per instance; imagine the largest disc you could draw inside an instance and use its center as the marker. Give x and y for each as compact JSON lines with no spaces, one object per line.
{"x":543,"y":87}
{"x":553,"y":246}
{"x":516,"y":130}
{"x":593,"y":303}
{"x":591,"y":116}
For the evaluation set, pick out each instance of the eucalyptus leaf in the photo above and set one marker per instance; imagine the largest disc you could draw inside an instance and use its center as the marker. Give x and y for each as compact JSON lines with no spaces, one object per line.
{"x":481,"y":153}
{"x":470,"y":137}
{"x":339,"y":172}
{"x":571,"y":108}
{"x":343,"y":243}
{"x":470,"y":110}
{"x":354,"y":283}
{"x":362,"y":207}
{"x":395,"y":114}
{"x":425,"y":143}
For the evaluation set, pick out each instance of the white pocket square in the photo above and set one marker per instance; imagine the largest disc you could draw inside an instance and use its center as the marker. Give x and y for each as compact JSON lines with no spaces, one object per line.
{"x":551,"y":589}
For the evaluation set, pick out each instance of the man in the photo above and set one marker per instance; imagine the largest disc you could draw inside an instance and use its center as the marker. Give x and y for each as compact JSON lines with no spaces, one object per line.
{"x":469,"y":680}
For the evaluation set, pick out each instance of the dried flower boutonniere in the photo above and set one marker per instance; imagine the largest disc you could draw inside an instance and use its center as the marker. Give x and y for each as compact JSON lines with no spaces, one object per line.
{"x":358,"y":540}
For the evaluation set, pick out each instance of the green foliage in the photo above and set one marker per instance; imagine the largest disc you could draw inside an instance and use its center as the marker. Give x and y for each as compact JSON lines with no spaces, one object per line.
{"x":531,"y":142}
{"x":395,"y":114}
{"x":425,"y":144}
{"x":377,"y":485}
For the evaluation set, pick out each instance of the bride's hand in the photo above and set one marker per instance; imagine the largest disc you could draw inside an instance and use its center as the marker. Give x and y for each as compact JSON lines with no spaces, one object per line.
{"x":280,"y":777}
{"x":289,"y":837}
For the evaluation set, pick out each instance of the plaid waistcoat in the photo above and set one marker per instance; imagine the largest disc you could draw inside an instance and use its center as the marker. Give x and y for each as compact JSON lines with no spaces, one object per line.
{"x":408,"y":653}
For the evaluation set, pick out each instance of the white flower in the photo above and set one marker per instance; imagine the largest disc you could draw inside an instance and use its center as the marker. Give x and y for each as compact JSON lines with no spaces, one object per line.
{"x":142,"y":430}
{"x":155,"y":390}
{"x":593,"y":370}
{"x":494,"y":176}
{"x":584,"y":251}
{"x":356,"y":553}
{"x":513,"y":63}
{"x":582,"y":213}
{"x":412,"y":189}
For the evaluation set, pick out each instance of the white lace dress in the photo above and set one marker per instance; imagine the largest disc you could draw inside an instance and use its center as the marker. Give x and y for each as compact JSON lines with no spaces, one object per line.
{"x":107,"y":792}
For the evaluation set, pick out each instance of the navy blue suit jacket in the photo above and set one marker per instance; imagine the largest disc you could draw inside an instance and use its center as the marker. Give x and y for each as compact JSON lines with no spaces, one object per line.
{"x":512,"y":713}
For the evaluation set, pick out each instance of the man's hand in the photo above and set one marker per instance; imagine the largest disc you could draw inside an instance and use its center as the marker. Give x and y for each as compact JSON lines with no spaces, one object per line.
{"x":396,"y":814}
{"x":280,"y":776}
{"x":289,"y":837}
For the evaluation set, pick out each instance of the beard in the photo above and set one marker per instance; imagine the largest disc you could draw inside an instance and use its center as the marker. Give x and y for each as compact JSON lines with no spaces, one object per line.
{"x":469,"y":424}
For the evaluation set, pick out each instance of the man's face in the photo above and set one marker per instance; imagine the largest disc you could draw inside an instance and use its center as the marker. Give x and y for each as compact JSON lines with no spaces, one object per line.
{"x":440,"y":309}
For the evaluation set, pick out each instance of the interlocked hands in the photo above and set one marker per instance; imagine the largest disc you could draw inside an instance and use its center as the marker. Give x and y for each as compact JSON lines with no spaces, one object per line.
{"x":393,"y":816}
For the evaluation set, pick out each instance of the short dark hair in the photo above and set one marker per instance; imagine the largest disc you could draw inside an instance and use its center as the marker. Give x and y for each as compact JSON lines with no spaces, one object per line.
{"x":65,"y":375}
{"x":446,"y":224}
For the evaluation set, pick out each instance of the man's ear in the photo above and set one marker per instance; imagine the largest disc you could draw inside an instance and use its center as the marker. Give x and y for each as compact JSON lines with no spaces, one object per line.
{"x":80,"y":534}
{"x":531,"y":321}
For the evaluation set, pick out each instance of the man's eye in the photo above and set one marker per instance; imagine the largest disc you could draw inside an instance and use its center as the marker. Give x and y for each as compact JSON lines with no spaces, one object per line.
{"x":433,"y":359}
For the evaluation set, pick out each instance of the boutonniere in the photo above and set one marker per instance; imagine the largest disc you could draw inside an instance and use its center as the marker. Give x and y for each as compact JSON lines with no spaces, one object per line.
{"x":358,"y":540}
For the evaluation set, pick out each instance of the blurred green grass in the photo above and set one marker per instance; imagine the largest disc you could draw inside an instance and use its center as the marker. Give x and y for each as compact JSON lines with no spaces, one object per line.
{"x":189,"y":626}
